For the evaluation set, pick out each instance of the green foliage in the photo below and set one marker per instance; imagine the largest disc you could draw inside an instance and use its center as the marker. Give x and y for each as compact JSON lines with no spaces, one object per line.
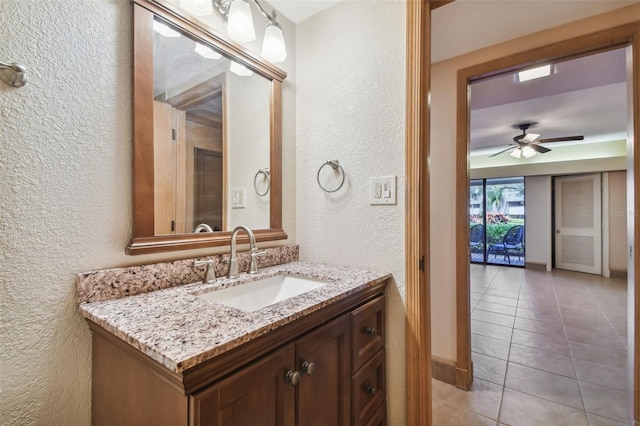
{"x":494,"y":197}
{"x":496,"y":231}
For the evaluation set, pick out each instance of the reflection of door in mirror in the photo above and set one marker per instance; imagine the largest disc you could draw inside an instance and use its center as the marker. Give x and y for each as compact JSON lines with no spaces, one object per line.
{"x":188,"y":137}
{"x":207,"y":194}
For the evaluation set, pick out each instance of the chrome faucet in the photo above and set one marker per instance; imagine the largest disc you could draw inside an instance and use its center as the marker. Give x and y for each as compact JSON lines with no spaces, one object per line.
{"x":233,"y":262}
{"x":210,"y":273}
{"x":203,"y":227}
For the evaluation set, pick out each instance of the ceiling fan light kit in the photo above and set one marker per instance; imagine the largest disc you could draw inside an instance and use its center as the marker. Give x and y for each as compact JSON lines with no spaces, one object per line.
{"x":527,"y":144}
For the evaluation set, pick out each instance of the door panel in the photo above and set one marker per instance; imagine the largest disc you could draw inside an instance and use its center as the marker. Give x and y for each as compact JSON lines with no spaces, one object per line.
{"x":257,"y":395}
{"x":578,"y":220}
{"x":324,"y":397}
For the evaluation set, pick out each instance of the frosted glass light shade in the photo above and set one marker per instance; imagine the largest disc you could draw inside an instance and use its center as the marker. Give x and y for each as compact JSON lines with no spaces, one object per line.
{"x":528,"y":152}
{"x":164,"y":29}
{"x":240,"y":70}
{"x":206,"y":51}
{"x":240,"y":24}
{"x":273,"y":47}
{"x":516,"y":153}
{"x":197,"y":7}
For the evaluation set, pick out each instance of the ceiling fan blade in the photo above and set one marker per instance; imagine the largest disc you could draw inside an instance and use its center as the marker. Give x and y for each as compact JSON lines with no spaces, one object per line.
{"x":530,"y":137}
{"x":504,"y":150}
{"x":563,"y":139}
{"x":539,"y":148}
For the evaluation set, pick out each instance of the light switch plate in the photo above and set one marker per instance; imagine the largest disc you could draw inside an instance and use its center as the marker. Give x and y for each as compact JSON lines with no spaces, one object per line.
{"x":237,"y":198}
{"x":382,"y":190}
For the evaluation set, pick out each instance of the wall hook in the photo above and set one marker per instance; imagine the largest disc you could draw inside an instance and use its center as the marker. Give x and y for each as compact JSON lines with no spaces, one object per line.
{"x":15,"y":75}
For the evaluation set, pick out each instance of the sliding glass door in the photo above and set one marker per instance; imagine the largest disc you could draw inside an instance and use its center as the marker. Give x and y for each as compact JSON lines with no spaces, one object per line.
{"x":476,"y":221}
{"x":496,"y":221}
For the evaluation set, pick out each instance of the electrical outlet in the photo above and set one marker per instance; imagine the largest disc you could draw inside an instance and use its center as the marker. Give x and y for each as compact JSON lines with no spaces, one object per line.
{"x":382,"y":190}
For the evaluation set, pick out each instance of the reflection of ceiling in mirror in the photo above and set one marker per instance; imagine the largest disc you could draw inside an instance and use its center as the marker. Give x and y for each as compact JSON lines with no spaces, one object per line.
{"x":180,"y":71}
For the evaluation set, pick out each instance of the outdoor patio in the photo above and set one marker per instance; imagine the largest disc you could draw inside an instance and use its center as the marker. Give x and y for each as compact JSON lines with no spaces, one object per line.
{"x":498,"y":259}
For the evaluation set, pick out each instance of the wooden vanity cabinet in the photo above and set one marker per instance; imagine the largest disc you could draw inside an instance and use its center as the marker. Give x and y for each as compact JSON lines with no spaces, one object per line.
{"x":308,"y":372}
{"x":259,"y":394}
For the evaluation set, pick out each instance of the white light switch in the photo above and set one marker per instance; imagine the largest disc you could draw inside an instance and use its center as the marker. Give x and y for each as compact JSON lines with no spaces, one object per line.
{"x":237,"y":198}
{"x":382,"y":190}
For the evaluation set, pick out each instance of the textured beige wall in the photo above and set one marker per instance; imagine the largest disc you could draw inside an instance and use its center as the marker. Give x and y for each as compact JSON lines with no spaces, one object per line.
{"x":65,"y":193}
{"x":443,"y":135}
{"x":350,"y":99}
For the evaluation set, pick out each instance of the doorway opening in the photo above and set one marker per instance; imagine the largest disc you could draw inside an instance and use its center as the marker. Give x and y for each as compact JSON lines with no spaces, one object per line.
{"x":618,"y":38}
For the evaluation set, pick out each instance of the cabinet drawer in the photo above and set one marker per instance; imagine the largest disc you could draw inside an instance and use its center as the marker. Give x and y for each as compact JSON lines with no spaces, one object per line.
{"x":369,"y":388}
{"x":367,"y":329}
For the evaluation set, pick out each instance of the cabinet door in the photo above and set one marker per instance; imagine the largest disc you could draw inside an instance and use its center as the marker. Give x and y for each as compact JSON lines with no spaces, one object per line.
{"x":257,"y":395}
{"x":323,"y":359}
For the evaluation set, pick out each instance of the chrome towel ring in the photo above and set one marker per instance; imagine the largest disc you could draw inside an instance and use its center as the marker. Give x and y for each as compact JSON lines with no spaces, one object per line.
{"x":266,"y":173}
{"x":335,"y":165}
{"x":15,"y":75}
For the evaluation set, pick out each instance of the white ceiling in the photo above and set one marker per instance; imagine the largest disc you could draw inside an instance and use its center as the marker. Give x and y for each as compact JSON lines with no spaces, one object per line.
{"x":299,"y":10}
{"x":586,"y":96}
{"x":468,"y":25}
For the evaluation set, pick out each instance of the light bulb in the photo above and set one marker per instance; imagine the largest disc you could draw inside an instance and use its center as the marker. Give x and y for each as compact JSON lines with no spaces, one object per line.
{"x":206,"y":51}
{"x":273,"y":47}
{"x":528,"y":152}
{"x":164,"y":29}
{"x":516,"y":153}
{"x":240,"y":70}
{"x":240,"y":25}
{"x":197,"y":7}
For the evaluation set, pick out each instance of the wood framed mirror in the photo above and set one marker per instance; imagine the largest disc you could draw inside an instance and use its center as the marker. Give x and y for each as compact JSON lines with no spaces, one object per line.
{"x":203,"y":134}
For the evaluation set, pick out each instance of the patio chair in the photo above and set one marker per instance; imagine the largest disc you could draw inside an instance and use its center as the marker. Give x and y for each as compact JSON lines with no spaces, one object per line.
{"x":512,"y":244}
{"x":476,"y":239}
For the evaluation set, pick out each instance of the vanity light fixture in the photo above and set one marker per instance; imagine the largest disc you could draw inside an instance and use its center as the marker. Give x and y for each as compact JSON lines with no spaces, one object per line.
{"x":206,"y":51}
{"x":164,"y":30}
{"x":240,"y":22}
{"x":240,"y":70}
{"x":273,"y":47}
{"x":533,"y":73}
{"x":237,"y":14}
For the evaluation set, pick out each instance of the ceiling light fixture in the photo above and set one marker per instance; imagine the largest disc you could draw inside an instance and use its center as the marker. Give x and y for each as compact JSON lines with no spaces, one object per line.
{"x":237,"y":14}
{"x":164,"y":29}
{"x":516,"y":153}
{"x":533,"y":73}
{"x":206,"y":51}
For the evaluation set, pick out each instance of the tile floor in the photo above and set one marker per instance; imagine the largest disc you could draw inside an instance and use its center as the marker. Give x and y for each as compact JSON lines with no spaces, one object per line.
{"x":547,"y":348}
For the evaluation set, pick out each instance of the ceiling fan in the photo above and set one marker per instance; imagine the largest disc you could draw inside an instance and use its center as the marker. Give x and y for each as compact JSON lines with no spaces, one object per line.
{"x":527,"y":144}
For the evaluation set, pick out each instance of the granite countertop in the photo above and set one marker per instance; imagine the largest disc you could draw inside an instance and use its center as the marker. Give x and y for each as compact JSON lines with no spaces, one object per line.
{"x":180,"y":330}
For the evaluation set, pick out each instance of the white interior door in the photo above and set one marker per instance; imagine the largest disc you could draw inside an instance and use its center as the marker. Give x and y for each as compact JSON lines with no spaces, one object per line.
{"x":578,"y":223}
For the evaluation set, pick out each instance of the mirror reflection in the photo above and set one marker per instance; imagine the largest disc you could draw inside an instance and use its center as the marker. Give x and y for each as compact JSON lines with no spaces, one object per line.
{"x":211,"y":138}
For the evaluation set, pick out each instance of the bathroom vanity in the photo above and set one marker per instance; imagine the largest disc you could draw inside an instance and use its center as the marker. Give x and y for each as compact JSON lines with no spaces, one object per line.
{"x":175,"y":357}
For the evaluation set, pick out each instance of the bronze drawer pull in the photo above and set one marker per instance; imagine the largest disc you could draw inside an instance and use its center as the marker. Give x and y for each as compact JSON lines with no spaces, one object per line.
{"x":308,"y":367}
{"x":370,"y":331}
{"x":371,"y":390}
{"x":292,"y":377}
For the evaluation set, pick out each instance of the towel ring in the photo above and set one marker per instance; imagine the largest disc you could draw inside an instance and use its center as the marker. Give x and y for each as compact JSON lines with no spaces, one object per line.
{"x":335,"y":164}
{"x":265,"y":173}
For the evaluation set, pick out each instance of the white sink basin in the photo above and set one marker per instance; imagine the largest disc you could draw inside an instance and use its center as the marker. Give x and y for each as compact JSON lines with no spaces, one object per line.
{"x":255,"y":295}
